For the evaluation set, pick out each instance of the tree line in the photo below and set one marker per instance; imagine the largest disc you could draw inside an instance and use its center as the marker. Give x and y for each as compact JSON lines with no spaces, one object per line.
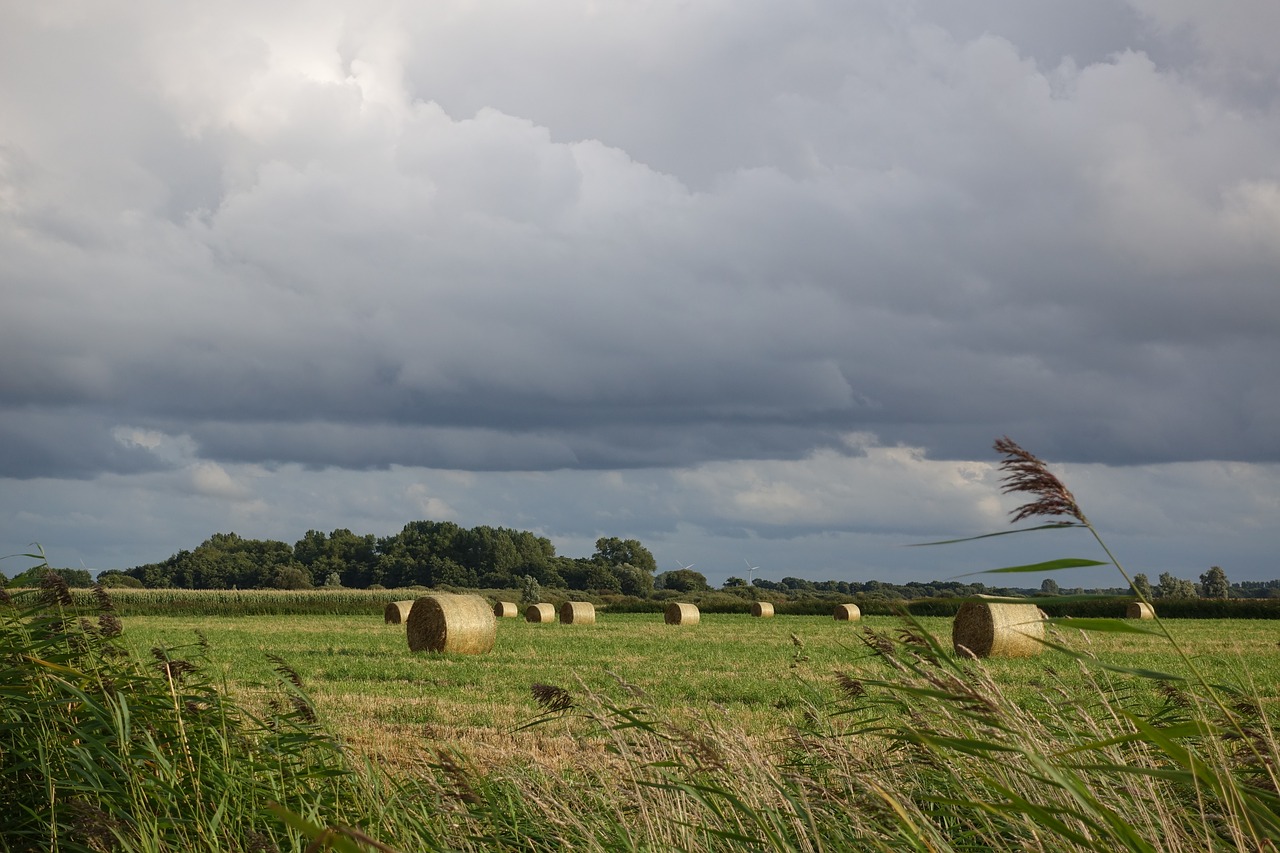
{"x":424,"y":553}
{"x":441,"y":553}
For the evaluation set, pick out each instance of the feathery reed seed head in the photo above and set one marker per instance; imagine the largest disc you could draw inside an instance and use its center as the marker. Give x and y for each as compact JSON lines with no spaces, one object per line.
{"x":1025,"y":472}
{"x":54,"y":590}
{"x":551,"y":697}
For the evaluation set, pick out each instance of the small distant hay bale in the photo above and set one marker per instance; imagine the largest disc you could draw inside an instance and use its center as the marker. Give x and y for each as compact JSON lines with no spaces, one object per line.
{"x":1139,"y":610}
{"x":991,"y":629}
{"x":679,"y":613}
{"x":444,"y":622}
{"x":578,"y":613}
{"x":847,"y":613}
{"x":396,"y":612}
{"x":505,"y":609}
{"x":763,"y":609}
{"x":544,"y":612}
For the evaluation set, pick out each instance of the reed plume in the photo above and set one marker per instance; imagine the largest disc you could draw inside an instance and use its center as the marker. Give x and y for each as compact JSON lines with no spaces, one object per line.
{"x":1025,"y":472}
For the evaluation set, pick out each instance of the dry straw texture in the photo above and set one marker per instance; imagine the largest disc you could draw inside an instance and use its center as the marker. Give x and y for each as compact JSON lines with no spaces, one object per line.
{"x":847,"y":613}
{"x":762,"y":608}
{"x":997,"y":630}
{"x":578,"y":613}
{"x":396,"y":612}
{"x":463,"y":624}
{"x":1140,"y":610}
{"x":544,"y":612}
{"x":505,"y":609}
{"x":678,"y":613}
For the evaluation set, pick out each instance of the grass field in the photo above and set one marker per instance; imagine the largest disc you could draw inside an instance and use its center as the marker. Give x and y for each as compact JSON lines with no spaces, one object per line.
{"x":758,"y":677}
{"x":795,"y":733}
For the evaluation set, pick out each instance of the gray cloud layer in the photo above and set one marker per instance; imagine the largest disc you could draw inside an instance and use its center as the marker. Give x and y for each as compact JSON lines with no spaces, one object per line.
{"x":738,"y":233}
{"x":518,"y":238}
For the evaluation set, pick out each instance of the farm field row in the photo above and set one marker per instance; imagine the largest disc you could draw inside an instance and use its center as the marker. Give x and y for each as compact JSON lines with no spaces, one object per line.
{"x":759,"y":677}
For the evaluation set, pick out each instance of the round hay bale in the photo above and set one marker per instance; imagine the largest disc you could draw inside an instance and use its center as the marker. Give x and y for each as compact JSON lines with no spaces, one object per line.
{"x":763,"y":609}
{"x":1139,"y":610}
{"x":505,"y":609}
{"x":544,"y":612}
{"x":444,"y":622}
{"x":679,"y":613}
{"x":847,"y":613}
{"x":396,"y":612}
{"x":578,"y":613}
{"x":997,"y":630}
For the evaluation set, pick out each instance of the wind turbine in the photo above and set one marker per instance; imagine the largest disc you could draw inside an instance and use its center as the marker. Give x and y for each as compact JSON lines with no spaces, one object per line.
{"x":751,"y":571}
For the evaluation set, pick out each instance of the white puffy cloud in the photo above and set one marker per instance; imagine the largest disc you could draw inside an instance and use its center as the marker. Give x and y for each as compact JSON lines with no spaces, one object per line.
{"x":212,"y":480}
{"x":863,"y":486}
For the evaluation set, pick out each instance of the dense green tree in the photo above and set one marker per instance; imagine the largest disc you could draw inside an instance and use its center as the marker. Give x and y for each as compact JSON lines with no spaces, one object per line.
{"x":406,"y":559}
{"x":534,"y":553}
{"x":291,"y":577}
{"x":554,"y":572}
{"x":425,"y":553}
{"x":1143,"y":585}
{"x":613,"y":551}
{"x":486,"y":549}
{"x":116,"y":579}
{"x":589,"y":575}
{"x":33,"y":576}
{"x":444,"y":571}
{"x":682,"y":580}
{"x":530,"y":590}
{"x":633,"y":581}
{"x":1172,"y":587}
{"x":1049,"y":586}
{"x":1214,"y":583}
{"x":222,"y":561}
{"x":337,"y":554}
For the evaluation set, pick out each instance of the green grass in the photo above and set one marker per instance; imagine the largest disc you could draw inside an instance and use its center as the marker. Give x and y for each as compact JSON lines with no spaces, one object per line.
{"x":797,"y":733}
{"x":751,"y":672}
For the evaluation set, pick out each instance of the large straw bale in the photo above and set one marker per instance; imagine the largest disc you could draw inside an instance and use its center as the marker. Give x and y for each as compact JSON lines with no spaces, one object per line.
{"x":763,"y":609}
{"x":997,"y":629}
{"x":578,"y":613}
{"x":505,"y":609}
{"x":444,"y":622}
{"x":1139,"y":610}
{"x":396,"y":612}
{"x":847,"y":613}
{"x":544,"y":612}
{"x":679,"y":613}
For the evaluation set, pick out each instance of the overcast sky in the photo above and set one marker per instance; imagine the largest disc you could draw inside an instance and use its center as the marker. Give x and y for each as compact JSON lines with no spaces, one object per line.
{"x":757,"y":283}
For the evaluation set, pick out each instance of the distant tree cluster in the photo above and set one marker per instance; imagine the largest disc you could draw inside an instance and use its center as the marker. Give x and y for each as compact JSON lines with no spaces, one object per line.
{"x":33,"y":576}
{"x":1256,"y":589}
{"x":873,"y":589}
{"x":441,"y":553}
{"x":424,"y":553}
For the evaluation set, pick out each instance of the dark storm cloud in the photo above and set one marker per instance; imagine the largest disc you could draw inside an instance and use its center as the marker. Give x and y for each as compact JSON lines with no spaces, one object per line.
{"x":65,"y":444}
{"x":639,"y":444}
{"x":671,"y":237}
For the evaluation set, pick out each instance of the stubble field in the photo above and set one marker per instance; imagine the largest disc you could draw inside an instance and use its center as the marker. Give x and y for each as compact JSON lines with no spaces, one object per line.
{"x":759,"y":678}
